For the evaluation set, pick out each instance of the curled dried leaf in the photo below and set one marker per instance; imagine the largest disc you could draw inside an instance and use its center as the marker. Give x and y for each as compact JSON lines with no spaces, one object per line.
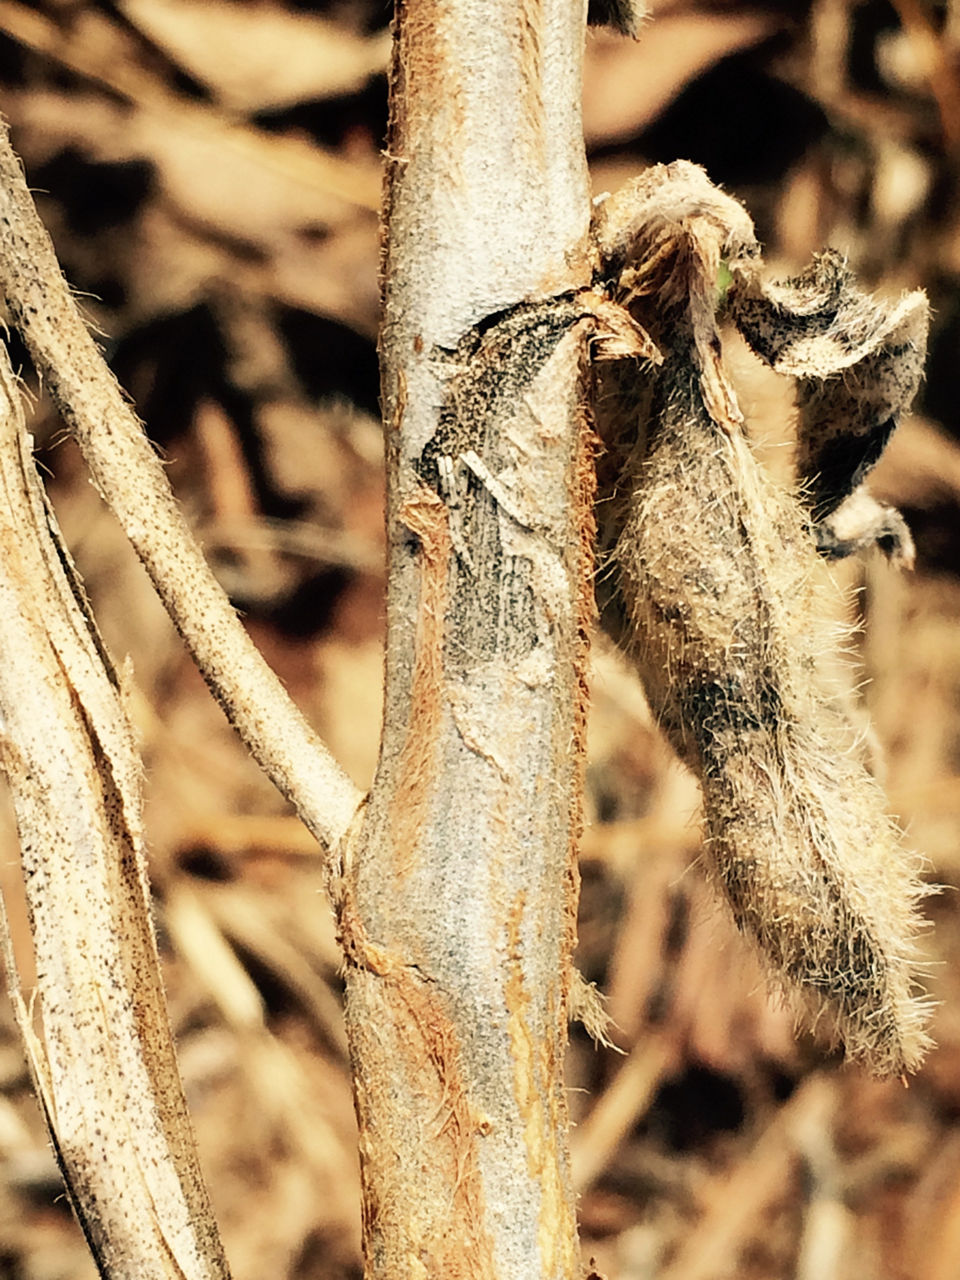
{"x":857,"y":360}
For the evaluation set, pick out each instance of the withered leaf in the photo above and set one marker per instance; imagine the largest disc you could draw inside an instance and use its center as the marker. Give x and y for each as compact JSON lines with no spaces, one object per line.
{"x":857,"y":360}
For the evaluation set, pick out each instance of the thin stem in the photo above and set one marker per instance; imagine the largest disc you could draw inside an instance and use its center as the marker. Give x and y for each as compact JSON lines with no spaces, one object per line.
{"x":131,"y":479}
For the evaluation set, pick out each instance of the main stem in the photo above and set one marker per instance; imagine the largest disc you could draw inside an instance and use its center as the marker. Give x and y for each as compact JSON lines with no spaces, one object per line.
{"x":458,"y":896}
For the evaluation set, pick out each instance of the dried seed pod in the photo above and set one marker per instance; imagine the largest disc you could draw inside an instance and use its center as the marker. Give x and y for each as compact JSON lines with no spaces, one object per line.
{"x":724,"y":597}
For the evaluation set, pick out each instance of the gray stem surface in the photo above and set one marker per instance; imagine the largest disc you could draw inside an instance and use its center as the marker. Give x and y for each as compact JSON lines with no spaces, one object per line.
{"x":458,"y":898}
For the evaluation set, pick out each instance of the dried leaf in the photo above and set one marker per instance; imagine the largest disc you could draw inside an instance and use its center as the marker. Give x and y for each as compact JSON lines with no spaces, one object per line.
{"x":257,"y":56}
{"x":857,"y":361}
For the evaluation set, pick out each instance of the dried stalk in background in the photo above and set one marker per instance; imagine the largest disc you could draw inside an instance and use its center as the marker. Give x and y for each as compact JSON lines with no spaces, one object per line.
{"x":102,"y":1059}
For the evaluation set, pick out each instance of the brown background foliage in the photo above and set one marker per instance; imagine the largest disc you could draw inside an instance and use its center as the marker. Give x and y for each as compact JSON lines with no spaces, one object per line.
{"x":210,"y":174}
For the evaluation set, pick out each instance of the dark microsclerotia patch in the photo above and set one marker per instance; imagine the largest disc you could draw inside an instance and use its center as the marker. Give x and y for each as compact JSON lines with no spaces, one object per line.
{"x":724,"y":712}
{"x":857,"y":362}
{"x":462,"y":463}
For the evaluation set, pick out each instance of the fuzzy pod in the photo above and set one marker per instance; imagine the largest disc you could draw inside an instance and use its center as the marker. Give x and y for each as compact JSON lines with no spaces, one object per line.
{"x":625,"y":16}
{"x":725,"y":597}
{"x":728,"y":610}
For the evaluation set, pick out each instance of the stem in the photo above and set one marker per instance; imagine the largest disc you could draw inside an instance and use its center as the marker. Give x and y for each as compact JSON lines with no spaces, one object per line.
{"x":131,"y":479}
{"x":457,"y":905}
{"x":102,"y":1054}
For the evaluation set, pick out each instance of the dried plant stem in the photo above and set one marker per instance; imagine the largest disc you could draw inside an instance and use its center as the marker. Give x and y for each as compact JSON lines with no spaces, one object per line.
{"x":131,"y":480}
{"x":103,"y":1060}
{"x":458,"y":897}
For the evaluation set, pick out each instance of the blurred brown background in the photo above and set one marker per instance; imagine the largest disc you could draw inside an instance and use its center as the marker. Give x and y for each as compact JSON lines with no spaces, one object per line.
{"x":210,"y":174}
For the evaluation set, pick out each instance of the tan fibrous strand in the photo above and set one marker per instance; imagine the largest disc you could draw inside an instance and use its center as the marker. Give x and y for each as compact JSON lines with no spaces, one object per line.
{"x":724,"y":604}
